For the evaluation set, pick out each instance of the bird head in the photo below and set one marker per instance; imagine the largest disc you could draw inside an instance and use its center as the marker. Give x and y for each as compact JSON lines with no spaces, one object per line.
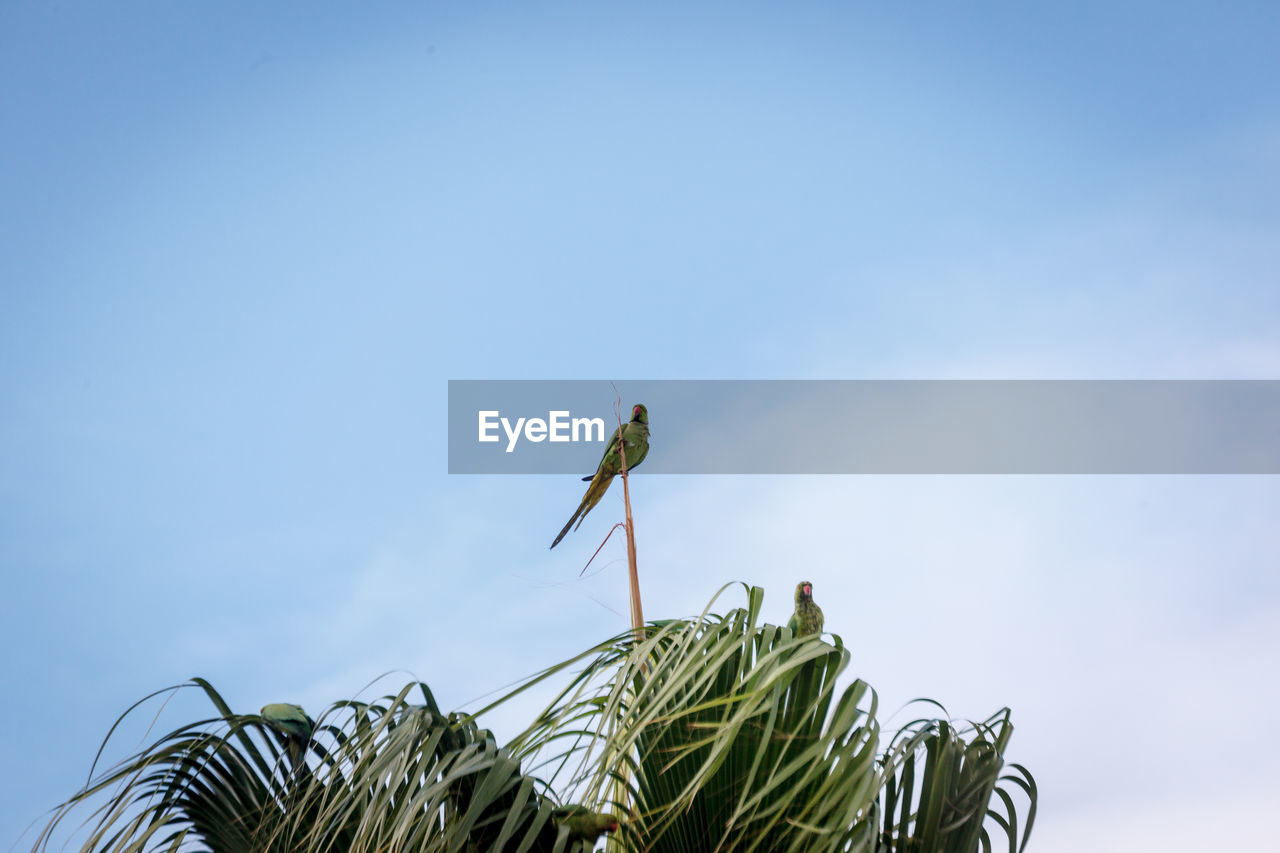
{"x":804,"y":591}
{"x":639,"y":413}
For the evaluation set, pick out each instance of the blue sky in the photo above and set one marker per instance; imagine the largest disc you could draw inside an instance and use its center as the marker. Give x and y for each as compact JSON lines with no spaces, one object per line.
{"x":246,"y":248}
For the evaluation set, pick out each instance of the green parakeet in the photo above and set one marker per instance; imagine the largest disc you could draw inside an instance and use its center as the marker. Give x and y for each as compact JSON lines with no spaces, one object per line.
{"x":808,"y":616}
{"x":635,"y":434}
{"x":294,"y":727}
{"x":289,"y":719}
{"x":585,"y":825}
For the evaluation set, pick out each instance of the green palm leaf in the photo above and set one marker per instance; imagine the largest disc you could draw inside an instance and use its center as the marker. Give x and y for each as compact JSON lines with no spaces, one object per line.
{"x":394,"y":776}
{"x":723,"y":733}
{"x":947,"y":807}
{"x":720,"y":733}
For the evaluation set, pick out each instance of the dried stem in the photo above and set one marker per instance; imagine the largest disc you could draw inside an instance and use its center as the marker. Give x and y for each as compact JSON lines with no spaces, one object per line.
{"x":600,"y":548}
{"x":633,"y":574}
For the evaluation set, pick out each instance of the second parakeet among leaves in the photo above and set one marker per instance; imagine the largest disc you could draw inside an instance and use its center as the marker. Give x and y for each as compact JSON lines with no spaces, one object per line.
{"x":289,"y":720}
{"x":635,"y":440}
{"x":585,"y":825}
{"x":294,"y":727}
{"x":807,"y":618}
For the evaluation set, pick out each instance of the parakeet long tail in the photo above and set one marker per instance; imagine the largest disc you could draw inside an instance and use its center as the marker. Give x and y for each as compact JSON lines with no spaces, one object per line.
{"x":599,"y":485}
{"x":565,"y":530}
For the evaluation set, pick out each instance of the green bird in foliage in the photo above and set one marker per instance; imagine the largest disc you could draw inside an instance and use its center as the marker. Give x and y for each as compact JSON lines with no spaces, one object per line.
{"x":808,"y":616}
{"x":294,"y":727}
{"x":585,"y":825}
{"x":289,"y":720}
{"x":635,"y":440}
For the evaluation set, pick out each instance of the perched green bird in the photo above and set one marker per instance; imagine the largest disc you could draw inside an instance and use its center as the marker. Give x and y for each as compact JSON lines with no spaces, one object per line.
{"x":585,"y":825}
{"x":294,"y":727}
{"x":808,"y":616}
{"x":289,"y":720}
{"x":635,"y":437}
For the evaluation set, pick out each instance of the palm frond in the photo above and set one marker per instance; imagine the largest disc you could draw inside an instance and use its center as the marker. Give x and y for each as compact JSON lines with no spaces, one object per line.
{"x":719,"y":733}
{"x":942,"y":783}
{"x":395,"y":775}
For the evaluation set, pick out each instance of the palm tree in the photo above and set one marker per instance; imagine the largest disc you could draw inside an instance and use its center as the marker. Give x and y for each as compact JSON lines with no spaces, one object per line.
{"x":712,"y":734}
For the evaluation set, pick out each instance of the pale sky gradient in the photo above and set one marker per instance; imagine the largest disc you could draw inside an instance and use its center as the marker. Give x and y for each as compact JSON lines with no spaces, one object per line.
{"x":245,"y":249}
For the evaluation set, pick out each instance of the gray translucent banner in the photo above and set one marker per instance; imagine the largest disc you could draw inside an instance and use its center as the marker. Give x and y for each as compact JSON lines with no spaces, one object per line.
{"x":874,"y":427}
